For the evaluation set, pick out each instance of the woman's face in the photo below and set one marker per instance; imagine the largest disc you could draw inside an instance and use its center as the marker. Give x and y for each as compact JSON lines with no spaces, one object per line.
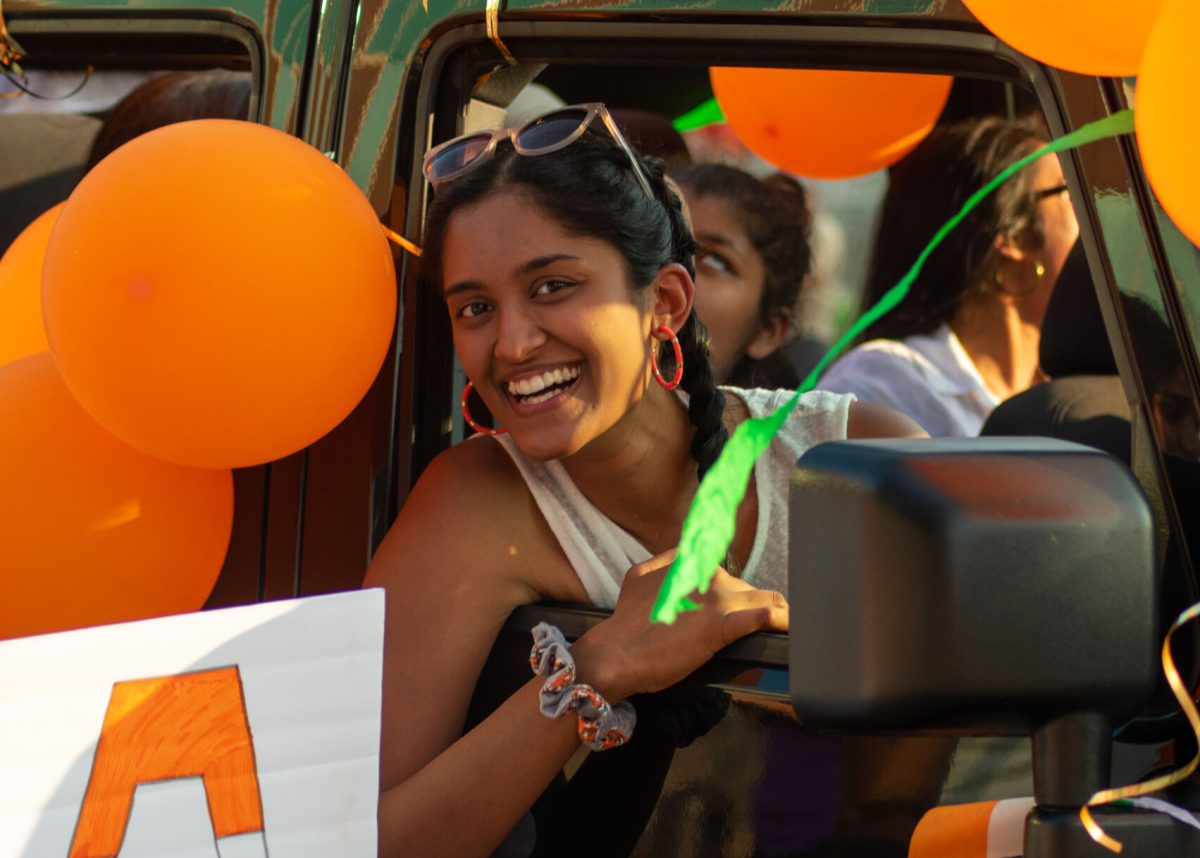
{"x":729,"y":283}
{"x":545,"y":324}
{"x":1059,"y":227}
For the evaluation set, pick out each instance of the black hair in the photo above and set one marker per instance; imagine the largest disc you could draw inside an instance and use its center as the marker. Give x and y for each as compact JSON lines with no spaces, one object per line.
{"x":929,"y":187}
{"x":170,"y":98}
{"x":775,"y":216}
{"x":590,"y":189}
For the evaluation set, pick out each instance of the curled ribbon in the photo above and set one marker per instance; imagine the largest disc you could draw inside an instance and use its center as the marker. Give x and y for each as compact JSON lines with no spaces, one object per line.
{"x":1155,"y":784}
{"x":11,"y":56}
{"x":492,"y":21}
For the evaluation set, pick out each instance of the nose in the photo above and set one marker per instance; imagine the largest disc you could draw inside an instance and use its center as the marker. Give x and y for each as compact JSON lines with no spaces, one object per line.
{"x":519,"y":336}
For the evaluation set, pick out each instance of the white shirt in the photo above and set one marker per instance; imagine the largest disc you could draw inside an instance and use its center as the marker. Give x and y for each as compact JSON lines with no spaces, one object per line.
{"x":601,"y":551}
{"x":929,"y":377}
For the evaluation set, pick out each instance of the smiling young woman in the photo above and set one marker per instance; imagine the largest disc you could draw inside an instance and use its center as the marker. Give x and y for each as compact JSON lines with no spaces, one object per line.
{"x":564,"y":270}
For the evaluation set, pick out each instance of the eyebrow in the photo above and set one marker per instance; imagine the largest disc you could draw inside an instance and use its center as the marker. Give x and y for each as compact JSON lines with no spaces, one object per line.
{"x":715,"y":238}
{"x":542,"y":261}
{"x":462,"y":286}
{"x":524,"y":268}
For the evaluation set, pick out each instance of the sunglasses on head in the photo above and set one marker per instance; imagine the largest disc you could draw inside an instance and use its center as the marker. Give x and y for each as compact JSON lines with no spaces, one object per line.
{"x":539,"y":136}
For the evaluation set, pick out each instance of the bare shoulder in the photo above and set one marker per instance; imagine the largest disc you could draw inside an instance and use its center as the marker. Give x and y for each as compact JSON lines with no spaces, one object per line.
{"x":868,"y":420}
{"x":470,"y":516}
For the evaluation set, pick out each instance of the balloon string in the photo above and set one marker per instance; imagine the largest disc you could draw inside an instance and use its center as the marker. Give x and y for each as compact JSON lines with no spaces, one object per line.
{"x":401,"y":240}
{"x":1155,"y":784}
{"x":11,"y":56}
{"x":709,"y":527}
{"x":17,"y":77}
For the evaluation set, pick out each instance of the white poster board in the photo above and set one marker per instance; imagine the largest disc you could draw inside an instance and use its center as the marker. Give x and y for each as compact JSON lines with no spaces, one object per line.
{"x":242,"y":732}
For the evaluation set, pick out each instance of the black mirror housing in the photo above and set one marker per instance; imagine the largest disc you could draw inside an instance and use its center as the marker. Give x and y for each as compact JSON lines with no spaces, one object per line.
{"x":968,"y":585}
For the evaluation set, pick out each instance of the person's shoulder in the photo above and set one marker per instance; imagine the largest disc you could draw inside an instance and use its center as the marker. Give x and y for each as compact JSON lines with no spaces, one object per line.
{"x":869,"y":420}
{"x":875,"y":356}
{"x":475,"y":482}
{"x":471,"y":488}
{"x":475,"y":458}
{"x":759,"y":402}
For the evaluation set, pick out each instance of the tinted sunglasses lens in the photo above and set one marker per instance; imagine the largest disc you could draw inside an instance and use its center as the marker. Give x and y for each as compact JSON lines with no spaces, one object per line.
{"x":551,"y":130}
{"x":452,"y":160}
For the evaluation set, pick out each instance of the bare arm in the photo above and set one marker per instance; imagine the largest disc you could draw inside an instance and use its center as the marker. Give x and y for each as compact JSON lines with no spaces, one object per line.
{"x":868,"y":420}
{"x":452,"y":578}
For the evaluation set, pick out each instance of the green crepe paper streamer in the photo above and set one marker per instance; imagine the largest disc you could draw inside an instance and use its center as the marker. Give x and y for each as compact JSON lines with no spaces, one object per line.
{"x":709,"y":527}
{"x":708,"y":113}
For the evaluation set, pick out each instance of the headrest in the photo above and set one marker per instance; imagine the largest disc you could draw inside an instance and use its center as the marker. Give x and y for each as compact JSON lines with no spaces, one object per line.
{"x":1074,"y":341}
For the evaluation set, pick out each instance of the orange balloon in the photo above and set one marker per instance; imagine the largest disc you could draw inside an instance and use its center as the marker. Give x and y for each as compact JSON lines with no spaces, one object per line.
{"x":1098,"y":37}
{"x":21,"y":330}
{"x":1168,"y":124}
{"x":92,"y":531}
{"x":829,"y":124}
{"x":218,"y":293}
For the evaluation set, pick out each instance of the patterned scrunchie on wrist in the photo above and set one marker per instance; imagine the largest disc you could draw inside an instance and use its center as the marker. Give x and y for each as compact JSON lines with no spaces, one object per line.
{"x":601,"y":726}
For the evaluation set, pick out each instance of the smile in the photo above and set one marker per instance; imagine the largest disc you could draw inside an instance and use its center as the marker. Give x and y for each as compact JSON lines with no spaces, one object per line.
{"x":543,"y":386}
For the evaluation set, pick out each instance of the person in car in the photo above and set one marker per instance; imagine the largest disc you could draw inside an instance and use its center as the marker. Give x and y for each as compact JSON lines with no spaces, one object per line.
{"x":566,"y":266}
{"x":966,"y":336}
{"x":753,"y":259}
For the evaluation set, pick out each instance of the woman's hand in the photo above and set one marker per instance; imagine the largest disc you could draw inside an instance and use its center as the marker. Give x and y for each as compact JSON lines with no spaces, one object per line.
{"x":627,"y":654}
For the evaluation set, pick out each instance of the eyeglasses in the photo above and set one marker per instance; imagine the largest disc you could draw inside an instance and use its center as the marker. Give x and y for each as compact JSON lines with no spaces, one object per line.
{"x":539,"y":136}
{"x":1046,"y":193}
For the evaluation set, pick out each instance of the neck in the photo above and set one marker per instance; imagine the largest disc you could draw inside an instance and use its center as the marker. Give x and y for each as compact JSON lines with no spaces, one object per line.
{"x":640,"y":473}
{"x":1002,"y":344}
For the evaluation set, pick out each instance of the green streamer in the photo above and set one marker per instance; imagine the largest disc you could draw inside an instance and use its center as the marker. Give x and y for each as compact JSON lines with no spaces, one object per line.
{"x":708,"y":113}
{"x":709,"y":527}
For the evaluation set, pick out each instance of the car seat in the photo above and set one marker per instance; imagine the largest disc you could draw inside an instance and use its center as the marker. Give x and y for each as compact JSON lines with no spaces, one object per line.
{"x":1084,"y":401}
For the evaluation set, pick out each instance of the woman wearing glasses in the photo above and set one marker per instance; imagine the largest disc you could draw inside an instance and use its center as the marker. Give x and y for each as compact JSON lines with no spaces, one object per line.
{"x":966,"y":337}
{"x":566,"y":266}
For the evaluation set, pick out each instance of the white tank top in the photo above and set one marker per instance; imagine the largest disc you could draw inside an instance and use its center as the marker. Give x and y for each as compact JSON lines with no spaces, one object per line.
{"x":601,"y":551}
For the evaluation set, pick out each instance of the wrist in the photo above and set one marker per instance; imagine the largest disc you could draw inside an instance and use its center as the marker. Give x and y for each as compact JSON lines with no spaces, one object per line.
{"x":602,"y":724}
{"x":596,"y":664}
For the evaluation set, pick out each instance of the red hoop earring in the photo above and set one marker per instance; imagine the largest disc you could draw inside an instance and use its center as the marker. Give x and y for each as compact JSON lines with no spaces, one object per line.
{"x":674,"y":382}
{"x":466,"y":413}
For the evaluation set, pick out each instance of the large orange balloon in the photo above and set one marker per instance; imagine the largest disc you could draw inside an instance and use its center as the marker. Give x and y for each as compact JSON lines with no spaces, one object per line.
{"x":92,"y":531}
{"x":218,"y":293}
{"x":1168,"y":123}
{"x":829,"y":124}
{"x":21,"y":330}
{"x":1098,"y":37}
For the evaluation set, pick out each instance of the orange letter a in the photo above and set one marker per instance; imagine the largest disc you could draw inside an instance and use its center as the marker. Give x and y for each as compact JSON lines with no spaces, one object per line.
{"x":190,"y":725}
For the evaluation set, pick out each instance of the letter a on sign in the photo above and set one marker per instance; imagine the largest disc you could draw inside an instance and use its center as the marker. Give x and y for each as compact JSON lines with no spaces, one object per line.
{"x":185,"y":726}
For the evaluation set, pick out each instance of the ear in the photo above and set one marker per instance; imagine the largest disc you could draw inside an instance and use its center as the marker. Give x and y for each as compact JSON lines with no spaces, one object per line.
{"x":771,"y":334}
{"x":1009,"y":247}
{"x":673,"y":292}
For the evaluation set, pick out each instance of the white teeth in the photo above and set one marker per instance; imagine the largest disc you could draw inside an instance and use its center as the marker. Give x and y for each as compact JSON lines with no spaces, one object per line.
{"x":536,"y":384}
{"x":541,"y":397}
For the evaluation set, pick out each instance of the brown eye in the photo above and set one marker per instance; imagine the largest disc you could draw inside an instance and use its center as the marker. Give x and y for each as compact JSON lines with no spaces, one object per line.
{"x":472,"y":309}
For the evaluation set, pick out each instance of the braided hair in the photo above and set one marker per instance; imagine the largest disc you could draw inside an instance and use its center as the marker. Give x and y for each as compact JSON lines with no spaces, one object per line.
{"x":589,"y":187}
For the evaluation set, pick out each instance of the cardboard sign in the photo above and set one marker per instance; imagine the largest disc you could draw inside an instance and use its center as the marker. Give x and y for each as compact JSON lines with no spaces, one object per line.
{"x":224,"y":734}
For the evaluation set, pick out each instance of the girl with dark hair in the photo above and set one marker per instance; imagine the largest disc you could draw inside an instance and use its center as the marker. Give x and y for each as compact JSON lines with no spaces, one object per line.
{"x":966,"y":336}
{"x":753,"y":258}
{"x":565,"y":263}
{"x":169,"y":98}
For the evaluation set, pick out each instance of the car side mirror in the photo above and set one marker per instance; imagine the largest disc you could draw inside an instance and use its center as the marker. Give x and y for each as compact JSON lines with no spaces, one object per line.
{"x":999,"y":586}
